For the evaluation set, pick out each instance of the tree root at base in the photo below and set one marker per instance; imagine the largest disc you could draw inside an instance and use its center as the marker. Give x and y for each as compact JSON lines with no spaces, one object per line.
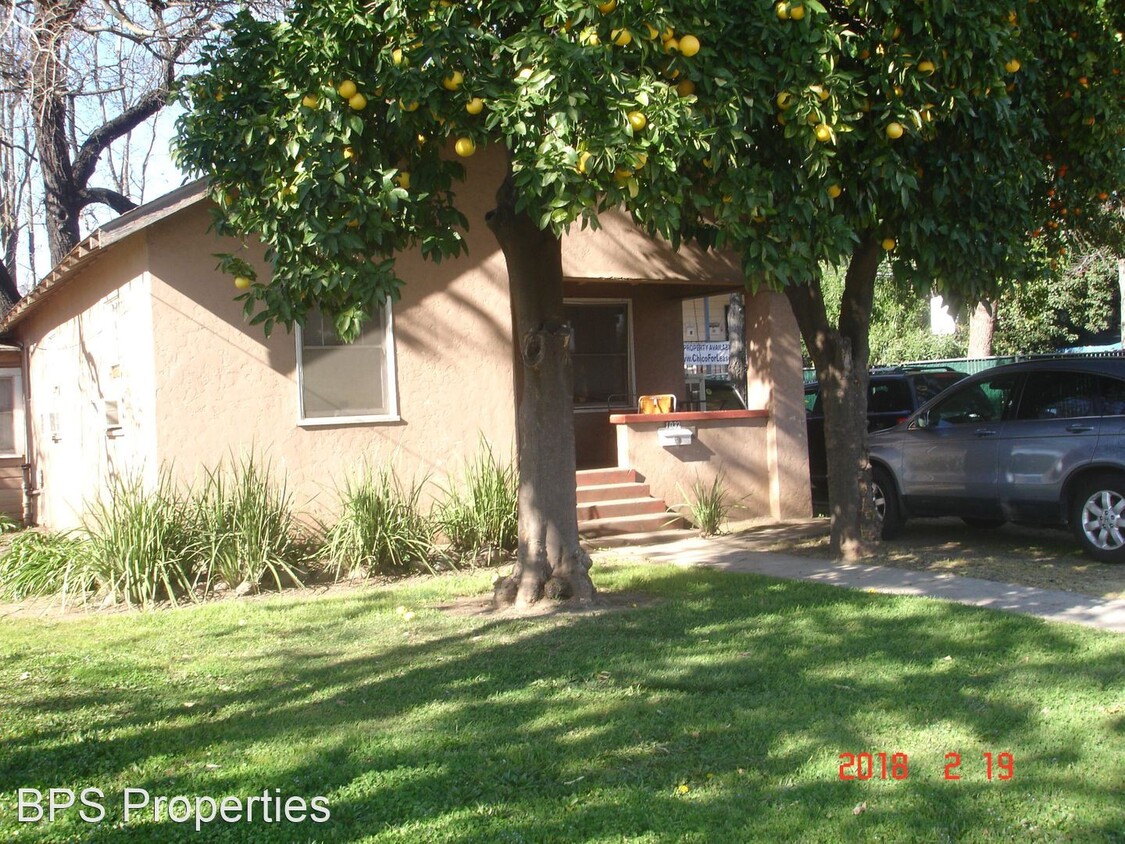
{"x":569,"y":581}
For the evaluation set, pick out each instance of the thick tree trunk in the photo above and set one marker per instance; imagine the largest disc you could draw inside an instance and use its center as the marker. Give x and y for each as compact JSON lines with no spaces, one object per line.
{"x":48,"y":95}
{"x":9,"y":293}
{"x":67,"y":170}
{"x":982,"y":328}
{"x":551,"y":562}
{"x":840,"y":355}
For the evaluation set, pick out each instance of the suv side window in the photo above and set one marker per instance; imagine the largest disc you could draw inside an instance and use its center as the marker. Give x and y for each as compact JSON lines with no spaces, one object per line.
{"x":1113,"y":396}
{"x":1059,"y":395}
{"x":812,"y":399}
{"x":983,"y":401}
{"x":889,"y":396}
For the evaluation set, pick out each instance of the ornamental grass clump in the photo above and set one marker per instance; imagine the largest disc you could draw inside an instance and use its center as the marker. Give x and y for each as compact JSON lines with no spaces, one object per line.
{"x":247,"y":528}
{"x":381,"y":528}
{"x":141,"y":545}
{"x":478,"y":517}
{"x":39,"y":564}
{"x":709,"y":505}
{"x":8,"y":524}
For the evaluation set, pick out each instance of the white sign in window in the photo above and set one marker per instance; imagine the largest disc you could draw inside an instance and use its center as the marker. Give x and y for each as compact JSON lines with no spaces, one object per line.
{"x":706,"y":354}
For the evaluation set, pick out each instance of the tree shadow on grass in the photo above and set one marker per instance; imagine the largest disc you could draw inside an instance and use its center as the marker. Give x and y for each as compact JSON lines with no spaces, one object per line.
{"x":716,"y":714}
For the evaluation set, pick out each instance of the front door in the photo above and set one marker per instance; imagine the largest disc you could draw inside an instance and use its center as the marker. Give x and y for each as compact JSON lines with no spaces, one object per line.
{"x":602,"y":354}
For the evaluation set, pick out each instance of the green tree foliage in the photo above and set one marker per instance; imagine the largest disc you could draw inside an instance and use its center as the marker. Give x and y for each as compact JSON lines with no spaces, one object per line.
{"x":337,"y":186}
{"x":1053,"y":310}
{"x":1057,"y":308}
{"x":900,"y":330}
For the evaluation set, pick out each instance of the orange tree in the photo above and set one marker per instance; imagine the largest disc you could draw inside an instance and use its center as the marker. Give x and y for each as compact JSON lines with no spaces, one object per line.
{"x":339,"y":135}
{"x":955,"y":140}
{"x":798,"y":134}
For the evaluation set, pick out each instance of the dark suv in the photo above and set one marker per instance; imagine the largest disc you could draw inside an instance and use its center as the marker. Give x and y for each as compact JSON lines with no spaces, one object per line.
{"x":1039,"y":442}
{"x":892,"y":395}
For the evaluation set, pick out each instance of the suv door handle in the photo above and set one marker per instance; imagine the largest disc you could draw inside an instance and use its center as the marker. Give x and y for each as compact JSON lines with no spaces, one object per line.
{"x":984,"y":432}
{"x":1079,"y":428}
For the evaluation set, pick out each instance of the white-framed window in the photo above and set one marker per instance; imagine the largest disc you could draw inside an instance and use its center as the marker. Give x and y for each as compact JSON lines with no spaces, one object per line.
{"x":11,"y":413}
{"x":346,"y":383}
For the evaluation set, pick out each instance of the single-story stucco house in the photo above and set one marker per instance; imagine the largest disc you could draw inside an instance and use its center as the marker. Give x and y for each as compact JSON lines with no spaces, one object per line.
{"x":133,"y":355}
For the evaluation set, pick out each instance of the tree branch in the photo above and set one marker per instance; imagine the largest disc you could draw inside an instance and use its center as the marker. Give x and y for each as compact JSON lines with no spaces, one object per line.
{"x":859,"y":294}
{"x":104,"y":196}
{"x":98,"y":140}
{"x":807,"y":303}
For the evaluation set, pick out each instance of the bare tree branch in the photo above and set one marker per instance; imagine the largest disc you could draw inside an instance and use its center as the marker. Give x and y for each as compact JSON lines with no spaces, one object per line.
{"x":98,"y":140}
{"x":104,"y":196}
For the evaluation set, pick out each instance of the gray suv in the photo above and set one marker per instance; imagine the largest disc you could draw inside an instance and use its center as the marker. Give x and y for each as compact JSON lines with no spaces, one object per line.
{"x":1040,"y":442}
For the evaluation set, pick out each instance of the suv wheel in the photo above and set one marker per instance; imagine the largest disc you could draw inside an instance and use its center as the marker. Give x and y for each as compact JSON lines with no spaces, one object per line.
{"x":887,"y":510}
{"x":1097,"y":516}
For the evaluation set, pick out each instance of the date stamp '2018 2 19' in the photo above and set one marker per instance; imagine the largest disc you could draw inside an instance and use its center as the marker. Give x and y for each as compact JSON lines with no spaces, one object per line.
{"x":896,"y":766}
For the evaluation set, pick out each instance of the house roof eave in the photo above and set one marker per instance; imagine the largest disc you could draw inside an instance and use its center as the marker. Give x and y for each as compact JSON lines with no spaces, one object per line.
{"x":91,"y":248}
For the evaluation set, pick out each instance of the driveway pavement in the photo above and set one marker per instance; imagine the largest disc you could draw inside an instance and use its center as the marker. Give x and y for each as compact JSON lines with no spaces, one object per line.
{"x":737,"y":553}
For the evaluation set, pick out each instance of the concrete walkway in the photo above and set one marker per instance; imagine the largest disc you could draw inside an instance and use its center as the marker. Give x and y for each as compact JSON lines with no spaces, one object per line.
{"x":735,"y":553}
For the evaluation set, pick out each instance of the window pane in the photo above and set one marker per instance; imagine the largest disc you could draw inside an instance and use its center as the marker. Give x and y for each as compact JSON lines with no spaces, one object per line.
{"x":7,"y":432}
{"x":929,"y":384}
{"x":889,"y":397}
{"x":7,"y":415}
{"x":598,"y":329}
{"x":338,"y":379}
{"x":1059,"y":395}
{"x":1113,"y":396}
{"x":345,"y":381}
{"x":597,"y":377}
{"x":812,"y":399}
{"x":985,"y":401}
{"x":599,"y":347}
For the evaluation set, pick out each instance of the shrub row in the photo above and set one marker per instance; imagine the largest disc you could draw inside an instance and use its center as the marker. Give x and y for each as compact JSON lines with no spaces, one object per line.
{"x":239,"y":530}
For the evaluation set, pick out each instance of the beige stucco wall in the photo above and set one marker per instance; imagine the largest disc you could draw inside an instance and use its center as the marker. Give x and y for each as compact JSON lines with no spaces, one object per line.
{"x":730,"y":450}
{"x":619,"y":250}
{"x":86,"y":347}
{"x":226,"y":389}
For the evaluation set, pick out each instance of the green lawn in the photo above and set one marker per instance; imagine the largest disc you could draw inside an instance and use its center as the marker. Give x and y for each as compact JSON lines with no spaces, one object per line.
{"x":716,"y":710}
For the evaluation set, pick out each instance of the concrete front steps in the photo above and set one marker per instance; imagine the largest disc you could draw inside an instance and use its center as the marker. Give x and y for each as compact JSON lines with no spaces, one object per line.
{"x":615,"y":508}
